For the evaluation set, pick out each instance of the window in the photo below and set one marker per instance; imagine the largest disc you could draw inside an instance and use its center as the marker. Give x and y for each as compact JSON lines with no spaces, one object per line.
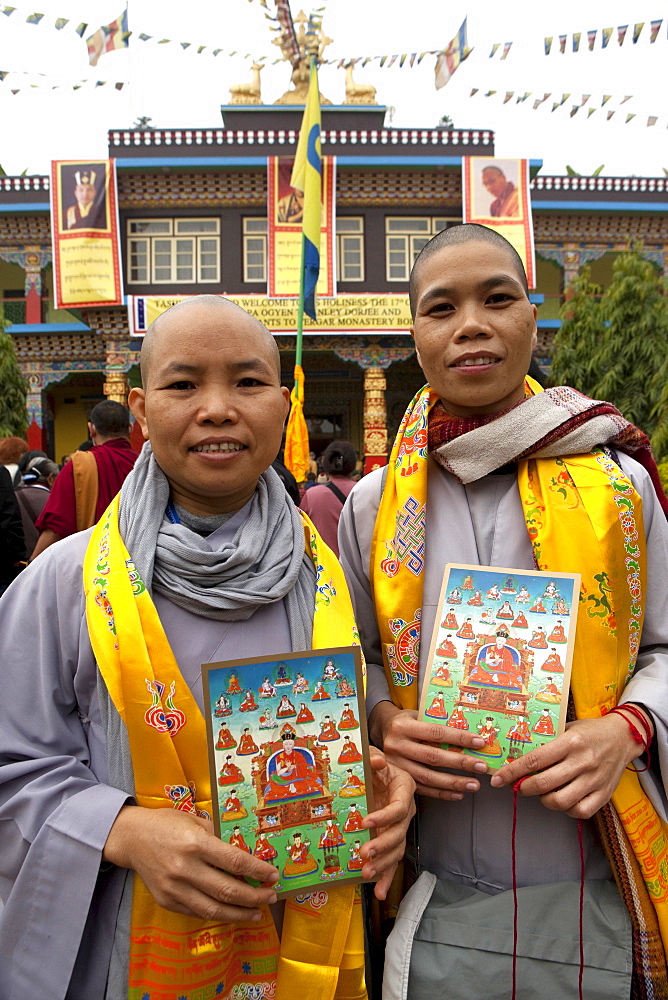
{"x":350,"y":246}
{"x":255,"y":249}
{"x":405,"y":237}
{"x":173,"y":251}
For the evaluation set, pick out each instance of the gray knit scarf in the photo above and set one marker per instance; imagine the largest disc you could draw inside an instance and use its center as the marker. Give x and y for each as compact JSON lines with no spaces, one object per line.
{"x":263,"y":563}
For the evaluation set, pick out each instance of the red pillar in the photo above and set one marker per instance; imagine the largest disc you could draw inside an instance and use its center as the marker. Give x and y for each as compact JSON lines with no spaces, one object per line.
{"x":36,"y":437}
{"x":33,"y":306}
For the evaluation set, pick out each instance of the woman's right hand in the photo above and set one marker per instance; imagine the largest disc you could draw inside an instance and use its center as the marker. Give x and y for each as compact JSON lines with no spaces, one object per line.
{"x":416,"y":747}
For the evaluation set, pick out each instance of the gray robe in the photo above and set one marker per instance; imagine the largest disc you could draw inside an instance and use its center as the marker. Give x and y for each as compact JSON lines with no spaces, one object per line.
{"x":56,"y":805}
{"x":469,"y":841}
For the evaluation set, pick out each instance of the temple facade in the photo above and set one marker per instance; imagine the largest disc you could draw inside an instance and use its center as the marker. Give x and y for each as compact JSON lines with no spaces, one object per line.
{"x":193,"y":220}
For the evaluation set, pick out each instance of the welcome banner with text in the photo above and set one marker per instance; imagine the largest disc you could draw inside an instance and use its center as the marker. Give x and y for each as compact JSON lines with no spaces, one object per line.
{"x":383,"y":314}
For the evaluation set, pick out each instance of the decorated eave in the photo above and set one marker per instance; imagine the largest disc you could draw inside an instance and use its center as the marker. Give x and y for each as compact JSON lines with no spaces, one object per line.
{"x":558,"y":193}
{"x":243,"y":142}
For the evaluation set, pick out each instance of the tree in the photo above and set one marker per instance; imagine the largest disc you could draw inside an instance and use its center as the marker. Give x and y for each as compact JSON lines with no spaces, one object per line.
{"x":577,"y":341}
{"x":13,"y":388}
{"x":616,"y":349}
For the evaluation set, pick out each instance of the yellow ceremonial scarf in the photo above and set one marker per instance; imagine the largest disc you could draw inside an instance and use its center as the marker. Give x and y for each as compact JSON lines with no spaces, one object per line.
{"x":582,"y":514}
{"x":321,"y":953}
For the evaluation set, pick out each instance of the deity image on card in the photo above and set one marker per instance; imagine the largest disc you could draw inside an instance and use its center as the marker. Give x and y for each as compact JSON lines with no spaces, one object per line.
{"x":289,"y":762}
{"x":504,"y":672}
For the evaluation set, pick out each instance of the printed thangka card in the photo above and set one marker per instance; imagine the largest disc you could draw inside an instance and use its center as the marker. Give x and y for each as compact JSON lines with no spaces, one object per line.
{"x":500,"y":657}
{"x":289,"y":762}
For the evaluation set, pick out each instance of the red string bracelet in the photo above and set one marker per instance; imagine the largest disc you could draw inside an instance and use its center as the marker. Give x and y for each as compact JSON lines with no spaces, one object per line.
{"x":644,"y":742}
{"x":642,"y":719}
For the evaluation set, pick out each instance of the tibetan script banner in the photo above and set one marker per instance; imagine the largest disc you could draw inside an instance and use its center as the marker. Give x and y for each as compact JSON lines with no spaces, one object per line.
{"x":343,"y":314}
{"x":496,"y":195}
{"x":285,"y":212}
{"x":84,"y":227}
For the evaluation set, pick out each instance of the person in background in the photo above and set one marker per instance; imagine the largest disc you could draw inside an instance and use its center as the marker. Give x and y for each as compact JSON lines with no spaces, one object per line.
{"x":39,"y":475}
{"x":12,"y":543}
{"x":89,"y":482}
{"x":11,"y":450}
{"x":288,"y":480}
{"x":324,"y":503}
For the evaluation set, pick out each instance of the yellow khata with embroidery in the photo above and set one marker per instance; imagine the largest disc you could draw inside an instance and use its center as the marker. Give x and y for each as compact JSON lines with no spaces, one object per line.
{"x":321,"y":954}
{"x":582,"y":513}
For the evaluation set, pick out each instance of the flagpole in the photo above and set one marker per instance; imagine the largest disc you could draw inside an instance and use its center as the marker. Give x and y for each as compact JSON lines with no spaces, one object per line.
{"x":300,"y":308}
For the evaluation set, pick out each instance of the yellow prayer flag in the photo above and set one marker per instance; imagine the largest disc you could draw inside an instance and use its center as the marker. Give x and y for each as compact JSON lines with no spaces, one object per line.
{"x":296,"y":433}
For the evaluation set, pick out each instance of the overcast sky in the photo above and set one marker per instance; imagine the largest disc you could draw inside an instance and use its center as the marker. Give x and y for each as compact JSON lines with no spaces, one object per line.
{"x":180,"y":88}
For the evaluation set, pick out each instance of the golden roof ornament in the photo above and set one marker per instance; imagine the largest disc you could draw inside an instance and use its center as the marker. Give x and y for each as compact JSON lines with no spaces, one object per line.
{"x":358,"y":93}
{"x":311,"y":40}
{"x":248,"y":93}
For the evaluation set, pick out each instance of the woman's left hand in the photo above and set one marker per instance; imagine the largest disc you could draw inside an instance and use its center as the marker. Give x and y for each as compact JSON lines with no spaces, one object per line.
{"x":393,"y":792}
{"x":577,"y":772}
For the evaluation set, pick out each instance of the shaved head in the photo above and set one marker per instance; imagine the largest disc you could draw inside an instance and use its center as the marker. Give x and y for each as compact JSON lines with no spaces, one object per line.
{"x":467,"y":233}
{"x":181,"y":312}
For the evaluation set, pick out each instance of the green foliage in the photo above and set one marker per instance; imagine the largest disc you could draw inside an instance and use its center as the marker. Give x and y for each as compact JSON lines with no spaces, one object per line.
{"x":663,"y":473}
{"x":577,"y":341}
{"x":13,"y":388}
{"x":616,"y":348}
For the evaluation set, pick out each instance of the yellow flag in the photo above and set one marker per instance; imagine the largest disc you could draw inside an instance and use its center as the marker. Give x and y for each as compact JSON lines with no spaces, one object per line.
{"x":296,"y":433}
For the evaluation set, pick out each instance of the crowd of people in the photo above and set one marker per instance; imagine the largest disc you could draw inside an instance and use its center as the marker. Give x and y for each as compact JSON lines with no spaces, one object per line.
{"x":549,"y":875}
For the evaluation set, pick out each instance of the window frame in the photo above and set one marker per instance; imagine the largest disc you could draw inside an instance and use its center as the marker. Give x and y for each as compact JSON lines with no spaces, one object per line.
{"x":409,"y":240}
{"x":174,"y":237}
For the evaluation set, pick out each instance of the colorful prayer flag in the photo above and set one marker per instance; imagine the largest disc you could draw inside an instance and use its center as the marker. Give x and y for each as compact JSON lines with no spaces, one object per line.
{"x":655,"y":27}
{"x":108,"y":38}
{"x":61,"y":22}
{"x":548,"y":44}
{"x":490,"y":93}
{"x":448,"y":60}
{"x":8,"y":11}
{"x":628,"y":118}
{"x":590,"y":112}
{"x":3,"y":74}
{"x":577,"y":35}
{"x":34,"y":18}
{"x":621,"y":33}
{"x":495,"y":49}
{"x":506,"y":49}
{"x":524,"y":96}
{"x":637,"y":29}
{"x":307,"y":177}
{"x":652,"y":120}
{"x":610,"y":114}
{"x":606,"y":35}
{"x":562,"y":43}
{"x":474,"y":91}
{"x":606,"y":98}
{"x":509,"y":94}
{"x":591,"y":39}
{"x":627,"y":98}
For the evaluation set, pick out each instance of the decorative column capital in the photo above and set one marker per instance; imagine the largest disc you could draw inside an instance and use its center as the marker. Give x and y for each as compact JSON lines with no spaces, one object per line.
{"x":373,"y":355}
